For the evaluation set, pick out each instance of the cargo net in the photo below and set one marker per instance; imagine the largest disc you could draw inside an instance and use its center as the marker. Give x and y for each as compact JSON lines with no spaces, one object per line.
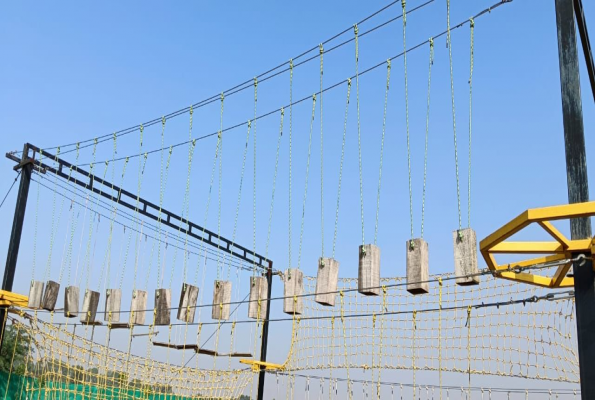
{"x":497,"y":328}
{"x":60,"y":364}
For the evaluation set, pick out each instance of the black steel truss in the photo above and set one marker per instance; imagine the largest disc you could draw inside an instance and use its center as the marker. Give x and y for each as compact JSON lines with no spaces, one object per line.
{"x":66,"y":170}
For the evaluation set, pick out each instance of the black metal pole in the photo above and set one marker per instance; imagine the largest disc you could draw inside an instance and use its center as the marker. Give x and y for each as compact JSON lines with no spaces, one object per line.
{"x":578,"y":190}
{"x":17,"y":230}
{"x":265,"y":333}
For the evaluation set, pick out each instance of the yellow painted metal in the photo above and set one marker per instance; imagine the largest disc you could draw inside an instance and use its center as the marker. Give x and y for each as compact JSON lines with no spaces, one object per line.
{"x":260,"y":365}
{"x":10,"y":299}
{"x":555,"y":233}
{"x":560,"y":249}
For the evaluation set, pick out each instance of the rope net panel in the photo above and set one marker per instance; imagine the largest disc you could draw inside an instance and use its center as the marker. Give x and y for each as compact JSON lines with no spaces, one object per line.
{"x":60,"y":363}
{"x":439,"y":331}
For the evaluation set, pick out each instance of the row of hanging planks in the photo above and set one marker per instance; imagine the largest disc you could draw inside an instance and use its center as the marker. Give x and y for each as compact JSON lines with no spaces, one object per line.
{"x":417,"y":257}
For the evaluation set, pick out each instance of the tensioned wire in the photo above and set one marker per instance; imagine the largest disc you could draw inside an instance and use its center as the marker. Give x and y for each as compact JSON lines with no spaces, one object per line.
{"x":473,"y":388}
{"x":248,"y":83}
{"x":568,"y":295}
{"x":344,"y":81}
{"x":130,"y":217}
{"x":438,"y":279}
{"x":203,"y":248}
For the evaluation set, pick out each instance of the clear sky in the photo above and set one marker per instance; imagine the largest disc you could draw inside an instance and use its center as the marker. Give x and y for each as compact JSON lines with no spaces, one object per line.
{"x":73,"y":71}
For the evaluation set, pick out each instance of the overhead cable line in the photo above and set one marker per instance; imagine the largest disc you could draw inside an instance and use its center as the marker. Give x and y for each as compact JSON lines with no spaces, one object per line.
{"x":309,"y":97}
{"x":244,"y":85}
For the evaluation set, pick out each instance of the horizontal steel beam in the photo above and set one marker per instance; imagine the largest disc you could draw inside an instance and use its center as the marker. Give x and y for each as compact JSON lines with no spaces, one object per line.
{"x":87,"y":180}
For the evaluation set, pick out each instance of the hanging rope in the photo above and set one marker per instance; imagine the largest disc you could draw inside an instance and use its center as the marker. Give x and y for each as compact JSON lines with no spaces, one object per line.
{"x":306,"y":184}
{"x":454,"y":123}
{"x":382,"y":149}
{"x":290,"y":133}
{"x":423,"y":197}
{"x":274,"y":184}
{"x":254,"y":180}
{"x":321,"y":51}
{"x":220,"y":183}
{"x":341,"y":167}
{"x":472,"y":26}
{"x":237,"y":214}
{"x":359,"y":133}
{"x":407,"y":120}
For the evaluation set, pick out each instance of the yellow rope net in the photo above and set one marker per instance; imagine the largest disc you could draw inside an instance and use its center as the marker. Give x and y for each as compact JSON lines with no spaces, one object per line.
{"x":447,"y":330}
{"x":61,"y":363}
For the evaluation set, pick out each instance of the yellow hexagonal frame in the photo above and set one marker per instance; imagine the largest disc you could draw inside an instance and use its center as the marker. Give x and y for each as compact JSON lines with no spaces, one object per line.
{"x":561,"y":248}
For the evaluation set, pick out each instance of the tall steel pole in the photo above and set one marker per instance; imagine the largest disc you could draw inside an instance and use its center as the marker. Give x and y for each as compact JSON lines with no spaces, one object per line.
{"x":265,"y":334}
{"x":578,"y":190}
{"x":17,"y":229}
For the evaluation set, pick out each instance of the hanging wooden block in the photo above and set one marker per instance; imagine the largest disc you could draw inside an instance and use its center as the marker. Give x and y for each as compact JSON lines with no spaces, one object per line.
{"x":138,"y":307}
{"x":35,"y":295}
{"x":113,"y":301}
{"x":90,"y":303}
{"x":368,"y":282}
{"x":71,"y":302}
{"x":259,"y":287}
{"x":162,"y":307}
{"x":417,"y":266}
{"x":221,"y":300}
{"x":292,"y":292}
{"x":50,"y":295}
{"x":465,"y":251}
{"x":326,"y":281}
{"x":188,"y":300}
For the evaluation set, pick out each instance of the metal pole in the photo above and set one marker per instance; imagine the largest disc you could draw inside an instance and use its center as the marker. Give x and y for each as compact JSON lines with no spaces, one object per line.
{"x":17,"y":230}
{"x":578,"y":190}
{"x":265,"y":334}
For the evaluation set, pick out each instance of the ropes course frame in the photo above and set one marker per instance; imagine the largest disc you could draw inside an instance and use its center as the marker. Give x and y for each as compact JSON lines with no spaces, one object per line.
{"x":167,"y":218}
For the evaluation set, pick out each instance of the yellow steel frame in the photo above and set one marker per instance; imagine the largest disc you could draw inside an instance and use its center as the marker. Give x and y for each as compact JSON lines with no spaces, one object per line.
{"x":561,"y":248}
{"x":8,"y":299}
{"x":262,"y":365}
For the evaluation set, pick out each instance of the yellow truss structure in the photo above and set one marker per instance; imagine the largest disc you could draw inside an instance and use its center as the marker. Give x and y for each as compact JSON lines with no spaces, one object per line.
{"x":561,"y":248}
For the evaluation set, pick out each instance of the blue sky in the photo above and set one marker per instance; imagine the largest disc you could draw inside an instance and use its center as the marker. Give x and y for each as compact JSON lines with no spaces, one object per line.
{"x":75,"y":71}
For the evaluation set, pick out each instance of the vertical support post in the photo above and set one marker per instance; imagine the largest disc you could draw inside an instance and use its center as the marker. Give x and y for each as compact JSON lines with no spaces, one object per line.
{"x":17,"y":230}
{"x":265,"y":333}
{"x":578,"y":189}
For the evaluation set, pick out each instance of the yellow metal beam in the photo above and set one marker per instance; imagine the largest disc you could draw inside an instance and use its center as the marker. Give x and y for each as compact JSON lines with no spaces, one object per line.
{"x":260,"y":365}
{"x":8,"y":299}
{"x":555,"y":233}
{"x":527,"y":248}
{"x":505,"y":232}
{"x":533,"y":279}
{"x":560,"y":274}
{"x":533,"y":261}
{"x":565,"y":211}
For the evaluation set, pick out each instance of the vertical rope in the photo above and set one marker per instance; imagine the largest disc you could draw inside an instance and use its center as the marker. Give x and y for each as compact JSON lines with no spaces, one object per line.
{"x":254,"y":179}
{"x":413,"y":349}
{"x":423,"y":197}
{"x":341,"y":166}
{"x":454,"y":123}
{"x":403,"y":5}
{"x":472,"y":25}
{"x":382,"y":149}
{"x":274,"y":184}
{"x":290,"y":133}
{"x":321,"y":51}
{"x":219,"y":184}
{"x":306,"y":184}
{"x":186,"y":206}
{"x":440,"y":335}
{"x":161,"y":191}
{"x":359,"y":133}
{"x":235,"y":222}
{"x":346,"y":360}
